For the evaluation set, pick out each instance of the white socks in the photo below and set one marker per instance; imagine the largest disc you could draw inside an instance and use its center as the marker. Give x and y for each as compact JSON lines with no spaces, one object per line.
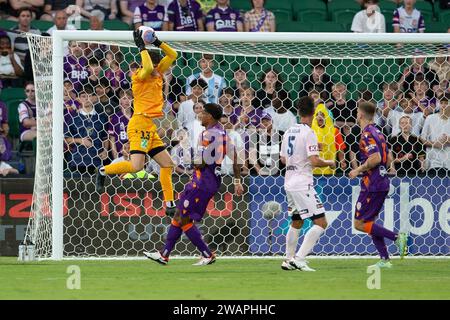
{"x":310,"y":240}
{"x":291,"y":242}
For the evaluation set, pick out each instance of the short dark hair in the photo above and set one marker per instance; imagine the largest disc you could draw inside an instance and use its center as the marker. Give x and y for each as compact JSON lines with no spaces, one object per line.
{"x":305,"y":106}
{"x":251,"y":3}
{"x":93,"y":60}
{"x":214,"y":110}
{"x":319,"y":63}
{"x":30,"y":10}
{"x":228,"y":91}
{"x":6,"y":37}
{"x":368,"y":109}
{"x":104,"y":82}
{"x":366,"y":95}
{"x":199,"y":82}
{"x":87,"y":89}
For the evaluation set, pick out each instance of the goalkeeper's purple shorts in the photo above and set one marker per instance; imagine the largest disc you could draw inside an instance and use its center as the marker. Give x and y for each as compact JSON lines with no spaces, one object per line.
{"x":369,"y":205}
{"x":194,"y":201}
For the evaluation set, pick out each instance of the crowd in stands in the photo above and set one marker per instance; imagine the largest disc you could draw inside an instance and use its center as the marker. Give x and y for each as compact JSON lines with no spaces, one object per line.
{"x":413,"y":111}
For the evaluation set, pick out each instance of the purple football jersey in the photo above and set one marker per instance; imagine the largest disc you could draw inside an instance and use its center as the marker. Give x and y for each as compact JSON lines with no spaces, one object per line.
{"x":152,"y":18}
{"x":117,"y":128}
{"x":372,"y":141}
{"x":116,"y":78}
{"x":224,"y":19}
{"x":71,"y":106}
{"x":211,"y":151}
{"x":184,"y":18}
{"x":76,"y":70}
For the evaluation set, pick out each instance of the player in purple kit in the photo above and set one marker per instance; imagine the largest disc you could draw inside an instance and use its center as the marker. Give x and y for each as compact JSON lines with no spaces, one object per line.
{"x":117,"y":127}
{"x":150,"y":14}
{"x":224,"y":18}
{"x":185,"y":15}
{"x":375,"y":158}
{"x":204,"y":185}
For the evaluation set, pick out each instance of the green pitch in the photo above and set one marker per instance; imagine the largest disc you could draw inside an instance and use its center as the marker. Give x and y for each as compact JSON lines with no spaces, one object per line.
{"x":226,"y":279}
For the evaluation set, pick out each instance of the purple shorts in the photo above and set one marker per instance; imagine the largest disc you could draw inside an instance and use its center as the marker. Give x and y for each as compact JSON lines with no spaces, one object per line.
{"x":369,"y":205}
{"x":194,"y":201}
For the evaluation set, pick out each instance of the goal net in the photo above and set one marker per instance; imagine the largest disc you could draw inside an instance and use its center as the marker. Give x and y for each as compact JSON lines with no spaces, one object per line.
{"x":83,"y":104}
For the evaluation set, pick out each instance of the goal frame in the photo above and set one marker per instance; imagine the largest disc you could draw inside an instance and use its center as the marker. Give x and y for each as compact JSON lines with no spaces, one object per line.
{"x":60,"y":36}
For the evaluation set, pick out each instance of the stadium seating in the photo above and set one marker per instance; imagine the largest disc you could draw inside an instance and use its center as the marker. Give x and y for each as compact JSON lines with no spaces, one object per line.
{"x":241,"y":5}
{"x":426,"y":9}
{"x":343,"y":11}
{"x":12,"y":93}
{"x":444,"y":16}
{"x":293,"y":26}
{"x":310,"y":10}
{"x":327,"y":26}
{"x":282,"y":9}
{"x":115,"y":25}
{"x":436,"y":27}
{"x":7,"y":24}
{"x":13,"y":117}
{"x":41,"y":25}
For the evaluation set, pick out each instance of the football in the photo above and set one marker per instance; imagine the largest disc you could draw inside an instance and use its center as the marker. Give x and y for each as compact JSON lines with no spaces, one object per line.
{"x":148,"y":34}
{"x":271,"y":209}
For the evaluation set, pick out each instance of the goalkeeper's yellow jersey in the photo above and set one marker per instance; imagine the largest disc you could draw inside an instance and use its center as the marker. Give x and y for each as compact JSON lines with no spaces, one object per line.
{"x":147,"y":86}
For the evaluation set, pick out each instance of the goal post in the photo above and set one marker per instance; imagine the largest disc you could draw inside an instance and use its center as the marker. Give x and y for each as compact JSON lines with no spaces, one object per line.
{"x":48,"y":209}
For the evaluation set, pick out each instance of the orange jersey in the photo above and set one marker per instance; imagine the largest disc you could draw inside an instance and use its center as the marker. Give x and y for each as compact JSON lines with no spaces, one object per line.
{"x":148,"y":95}
{"x":147,"y":83}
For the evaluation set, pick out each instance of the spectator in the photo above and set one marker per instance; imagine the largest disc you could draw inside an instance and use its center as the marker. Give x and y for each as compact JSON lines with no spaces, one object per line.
{"x":214,"y":82}
{"x":407,"y":150}
{"x":282,"y":118}
{"x":229,"y":109}
{"x":70,"y":103}
{"x":441,"y":66}
{"x":27,"y":114}
{"x":117,"y":126}
{"x":36,"y":7}
{"x":4,"y":126}
{"x":76,"y":66}
{"x":343,"y":109}
{"x":249,"y":116}
{"x":51,"y":7}
{"x":419,"y":97}
{"x":11,"y":68}
{"x":318,"y":80}
{"x":94,"y":70}
{"x":108,"y":7}
{"x":184,"y":15}
{"x":24,"y":25}
{"x":106,"y":101}
{"x":391,"y":96}
{"x":6,"y":11}
{"x":224,"y":18}
{"x":182,"y":151}
{"x":394,"y":116}
{"x":60,"y":21}
{"x":240,"y":83}
{"x":150,"y":14}
{"x":436,"y":138}
{"x":418,"y":66}
{"x":270,"y":83}
{"x":173,"y":91}
{"x":194,"y":127}
{"x":186,"y":113}
{"x":6,"y":168}
{"x":408,"y":19}
{"x":369,"y":20}
{"x":238,"y":146}
{"x":86,"y":136}
{"x":127,"y":8}
{"x":265,"y":156}
{"x":117,"y":78}
{"x":331,"y":143}
{"x":96,"y":20}
{"x":444,"y":4}
{"x":259,"y":19}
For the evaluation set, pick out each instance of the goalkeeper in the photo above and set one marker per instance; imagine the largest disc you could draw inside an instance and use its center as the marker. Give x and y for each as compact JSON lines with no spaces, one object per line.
{"x":147,"y":87}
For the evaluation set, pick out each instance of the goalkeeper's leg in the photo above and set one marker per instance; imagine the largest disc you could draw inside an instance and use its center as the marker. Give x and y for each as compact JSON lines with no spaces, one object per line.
{"x":162,"y":157}
{"x":136,"y":164}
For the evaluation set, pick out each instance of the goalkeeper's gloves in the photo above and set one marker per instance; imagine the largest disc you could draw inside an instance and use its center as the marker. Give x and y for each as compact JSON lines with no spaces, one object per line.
{"x":156,"y":42}
{"x":137,"y":35}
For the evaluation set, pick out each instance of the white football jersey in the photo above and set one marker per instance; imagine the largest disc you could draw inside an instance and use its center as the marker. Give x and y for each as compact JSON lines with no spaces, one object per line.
{"x":299,"y":143}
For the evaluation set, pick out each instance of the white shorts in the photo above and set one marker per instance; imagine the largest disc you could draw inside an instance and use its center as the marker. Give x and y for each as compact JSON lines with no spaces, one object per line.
{"x":306,"y":204}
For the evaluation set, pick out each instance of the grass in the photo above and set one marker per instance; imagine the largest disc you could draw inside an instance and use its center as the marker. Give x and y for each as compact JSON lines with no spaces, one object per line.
{"x":227,"y":279}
